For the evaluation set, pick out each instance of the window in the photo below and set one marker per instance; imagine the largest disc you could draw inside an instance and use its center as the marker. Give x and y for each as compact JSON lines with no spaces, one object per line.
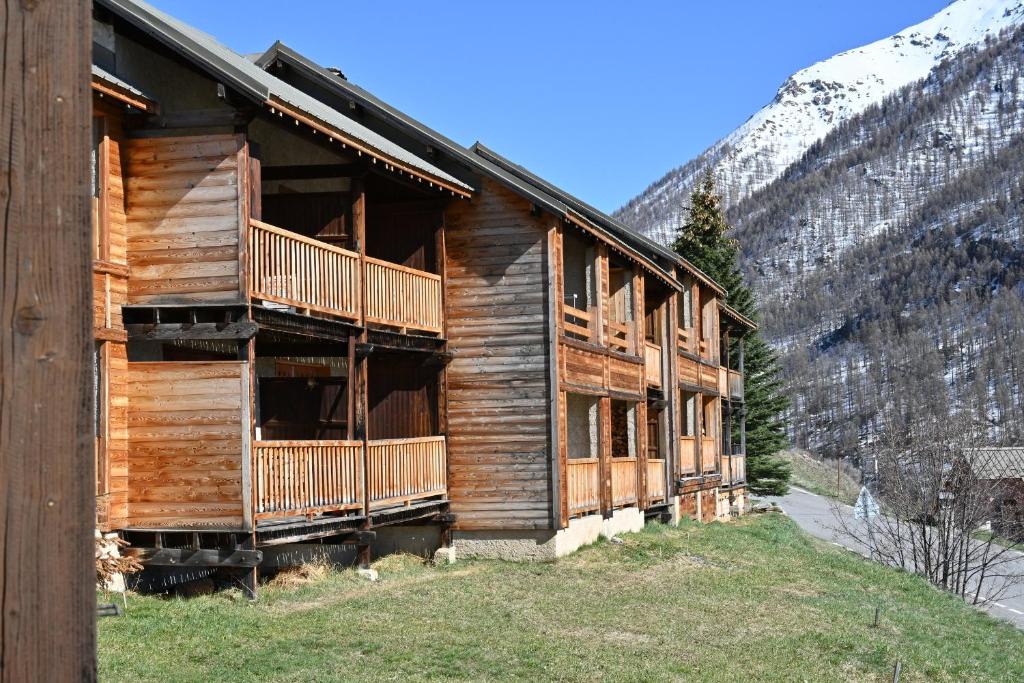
{"x":688,"y":402}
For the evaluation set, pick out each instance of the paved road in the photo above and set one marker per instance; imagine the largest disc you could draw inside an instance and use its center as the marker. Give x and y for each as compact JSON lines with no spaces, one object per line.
{"x":816,"y":515}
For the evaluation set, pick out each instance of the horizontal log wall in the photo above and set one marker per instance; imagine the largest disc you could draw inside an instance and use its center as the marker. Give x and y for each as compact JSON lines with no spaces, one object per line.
{"x":185,"y":443}
{"x":185,"y":216}
{"x":498,"y":382}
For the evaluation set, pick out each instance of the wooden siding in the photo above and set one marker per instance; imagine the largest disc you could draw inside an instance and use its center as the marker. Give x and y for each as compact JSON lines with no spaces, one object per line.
{"x":185,"y":207}
{"x":498,"y":387}
{"x":187,"y":434}
{"x":689,"y":371}
{"x":582,"y":369}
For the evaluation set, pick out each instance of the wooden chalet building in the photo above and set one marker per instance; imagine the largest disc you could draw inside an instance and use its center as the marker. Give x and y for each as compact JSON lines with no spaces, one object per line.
{"x":317,"y":318}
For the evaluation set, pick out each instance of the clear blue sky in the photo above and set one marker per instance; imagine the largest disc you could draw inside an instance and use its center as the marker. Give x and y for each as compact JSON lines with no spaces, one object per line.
{"x":600,"y":97}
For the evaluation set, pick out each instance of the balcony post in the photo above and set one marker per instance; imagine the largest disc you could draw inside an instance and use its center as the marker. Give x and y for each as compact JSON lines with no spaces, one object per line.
{"x":605,"y":454}
{"x":358,"y":369}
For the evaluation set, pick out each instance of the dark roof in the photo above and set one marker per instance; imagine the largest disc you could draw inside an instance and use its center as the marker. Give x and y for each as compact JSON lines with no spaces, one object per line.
{"x":1005,"y":462}
{"x":481,"y":160}
{"x":249,"y":79}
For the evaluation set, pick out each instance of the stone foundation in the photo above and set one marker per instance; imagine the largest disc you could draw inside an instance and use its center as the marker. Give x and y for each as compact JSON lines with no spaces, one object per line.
{"x":545,"y":545}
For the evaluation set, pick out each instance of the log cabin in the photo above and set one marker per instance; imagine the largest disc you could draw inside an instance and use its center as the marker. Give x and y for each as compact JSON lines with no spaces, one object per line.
{"x":317,"y":318}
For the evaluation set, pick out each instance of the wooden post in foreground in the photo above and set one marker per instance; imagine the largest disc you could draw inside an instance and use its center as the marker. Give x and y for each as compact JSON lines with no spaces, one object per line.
{"x":47,"y":478}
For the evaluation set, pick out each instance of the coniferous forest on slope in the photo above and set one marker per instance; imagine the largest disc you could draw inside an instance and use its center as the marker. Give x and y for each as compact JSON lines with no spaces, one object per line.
{"x":888,"y":261}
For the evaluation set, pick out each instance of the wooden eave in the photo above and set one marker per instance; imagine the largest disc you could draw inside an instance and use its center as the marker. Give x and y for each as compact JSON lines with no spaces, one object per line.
{"x":736,"y":316}
{"x":277,"y":106}
{"x":123,"y":95}
{"x":630,"y":254}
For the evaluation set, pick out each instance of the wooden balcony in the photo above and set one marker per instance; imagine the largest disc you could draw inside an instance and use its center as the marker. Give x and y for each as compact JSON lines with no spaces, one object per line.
{"x":652,"y":363}
{"x":307,"y":477}
{"x":734,"y":469}
{"x":683,"y":338}
{"x":311,"y":477}
{"x":404,"y":470}
{"x":708,"y":454}
{"x":619,"y":336}
{"x":735,"y":385}
{"x":656,"y":488}
{"x":624,"y":482}
{"x":294,"y":270}
{"x":403,"y":297}
{"x":584,"y":484}
{"x":687,"y":456}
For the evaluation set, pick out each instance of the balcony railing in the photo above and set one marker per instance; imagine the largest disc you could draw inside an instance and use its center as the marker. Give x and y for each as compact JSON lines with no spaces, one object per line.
{"x":577,"y":322}
{"x":652,"y":362}
{"x":655,"y":480}
{"x":687,"y":455}
{"x":584,"y":484}
{"x":735,"y":384}
{"x":624,"y":482}
{"x":291,"y":269}
{"x":403,"y":297}
{"x":619,"y":335}
{"x":307,"y":477}
{"x":708,"y":454}
{"x":404,"y":470}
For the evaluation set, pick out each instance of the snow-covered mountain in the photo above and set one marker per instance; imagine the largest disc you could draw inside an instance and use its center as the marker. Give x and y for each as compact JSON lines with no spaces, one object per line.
{"x":813,"y":101}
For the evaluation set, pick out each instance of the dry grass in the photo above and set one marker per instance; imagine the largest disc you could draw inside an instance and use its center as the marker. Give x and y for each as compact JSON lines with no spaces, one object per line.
{"x":819,"y":476}
{"x":754,"y":600}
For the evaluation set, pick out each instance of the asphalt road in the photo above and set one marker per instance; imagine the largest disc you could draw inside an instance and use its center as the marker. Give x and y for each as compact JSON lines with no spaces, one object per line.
{"x":817,"y":516}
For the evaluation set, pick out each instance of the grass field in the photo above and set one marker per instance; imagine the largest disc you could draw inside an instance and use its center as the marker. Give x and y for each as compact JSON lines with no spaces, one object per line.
{"x":755,"y":599}
{"x":818,"y":476}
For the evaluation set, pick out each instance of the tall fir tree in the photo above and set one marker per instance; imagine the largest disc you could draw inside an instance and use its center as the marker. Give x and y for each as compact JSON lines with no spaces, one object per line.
{"x":703,"y":240}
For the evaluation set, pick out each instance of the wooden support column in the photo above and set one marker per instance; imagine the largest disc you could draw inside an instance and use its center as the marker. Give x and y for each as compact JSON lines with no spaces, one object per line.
{"x":643,"y":501}
{"x":249,"y":576}
{"x":47,"y":477}
{"x":671,"y":391}
{"x":605,"y":453}
{"x":556,"y":414}
{"x":358,"y":372}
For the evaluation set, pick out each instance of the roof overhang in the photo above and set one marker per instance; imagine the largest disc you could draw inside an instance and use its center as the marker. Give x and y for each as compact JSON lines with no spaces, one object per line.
{"x":106,"y":84}
{"x":740,"y":321}
{"x":254,"y":83}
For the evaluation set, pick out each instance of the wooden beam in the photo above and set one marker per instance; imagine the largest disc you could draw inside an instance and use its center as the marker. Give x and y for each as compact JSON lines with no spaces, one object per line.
{"x":169,"y":331}
{"x":189,"y":557}
{"x":47,"y":478}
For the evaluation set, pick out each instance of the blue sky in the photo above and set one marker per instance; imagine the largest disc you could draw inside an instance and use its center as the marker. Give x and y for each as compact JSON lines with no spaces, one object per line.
{"x":600,"y":97}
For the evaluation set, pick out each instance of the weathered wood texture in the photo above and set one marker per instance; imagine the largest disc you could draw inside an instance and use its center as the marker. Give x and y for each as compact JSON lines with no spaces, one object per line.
{"x":498,"y":381}
{"x":584,"y":485}
{"x":656,"y":489}
{"x":185,"y":443}
{"x":186,"y":202}
{"x":110,"y":293}
{"x":47,"y":600}
{"x":624,"y":482}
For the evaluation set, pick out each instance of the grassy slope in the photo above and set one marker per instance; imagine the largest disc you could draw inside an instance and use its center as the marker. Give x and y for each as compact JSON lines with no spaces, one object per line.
{"x":820,"y":477}
{"x":751,"y":600}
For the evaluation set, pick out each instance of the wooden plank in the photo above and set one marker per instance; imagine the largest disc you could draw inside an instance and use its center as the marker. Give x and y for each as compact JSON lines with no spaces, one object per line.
{"x":47,"y":482}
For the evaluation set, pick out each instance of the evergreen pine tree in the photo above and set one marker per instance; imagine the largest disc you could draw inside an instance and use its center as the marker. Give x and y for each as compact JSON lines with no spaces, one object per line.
{"x":703,"y":241}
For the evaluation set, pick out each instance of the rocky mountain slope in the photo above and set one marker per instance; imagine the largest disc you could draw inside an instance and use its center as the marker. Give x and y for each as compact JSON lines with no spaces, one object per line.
{"x":889,"y":254}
